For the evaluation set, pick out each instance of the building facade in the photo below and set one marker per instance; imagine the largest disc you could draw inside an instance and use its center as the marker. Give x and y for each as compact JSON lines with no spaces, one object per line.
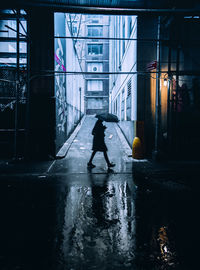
{"x":96,"y":60}
{"x":123,"y":59}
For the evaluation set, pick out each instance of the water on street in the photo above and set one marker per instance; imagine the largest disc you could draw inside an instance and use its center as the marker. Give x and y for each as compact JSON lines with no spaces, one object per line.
{"x":72,"y":218}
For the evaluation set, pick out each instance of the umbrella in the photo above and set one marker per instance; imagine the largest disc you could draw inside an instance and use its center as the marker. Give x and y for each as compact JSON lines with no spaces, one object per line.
{"x":108,"y":117}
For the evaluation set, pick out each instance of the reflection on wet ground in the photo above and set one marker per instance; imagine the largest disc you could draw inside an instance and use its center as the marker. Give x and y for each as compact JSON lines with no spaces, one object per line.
{"x":77,"y":219}
{"x":96,"y":221}
{"x":99,"y":224}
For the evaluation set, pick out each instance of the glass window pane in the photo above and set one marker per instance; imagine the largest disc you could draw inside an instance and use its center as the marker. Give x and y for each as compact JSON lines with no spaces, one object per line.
{"x":8,"y":28}
{"x":95,"y":103}
{"x":10,"y":47}
{"x":95,"y":49}
{"x":95,"y":31}
{"x":95,"y":85}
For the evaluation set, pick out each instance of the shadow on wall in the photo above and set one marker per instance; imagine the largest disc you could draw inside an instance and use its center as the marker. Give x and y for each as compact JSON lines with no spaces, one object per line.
{"x":128,"y":129}
{"x":66,"y":124}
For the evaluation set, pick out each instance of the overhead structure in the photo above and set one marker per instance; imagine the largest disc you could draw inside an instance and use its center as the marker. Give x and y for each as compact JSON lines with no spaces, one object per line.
{"x":109,"y":6}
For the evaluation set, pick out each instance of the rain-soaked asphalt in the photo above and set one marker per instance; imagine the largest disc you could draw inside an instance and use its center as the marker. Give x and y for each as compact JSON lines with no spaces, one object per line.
{"x":72,"y":219}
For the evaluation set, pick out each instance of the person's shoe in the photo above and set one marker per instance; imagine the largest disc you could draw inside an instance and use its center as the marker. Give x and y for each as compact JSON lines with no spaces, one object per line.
{"x":111,"y":165}
{"x":90,"y":165}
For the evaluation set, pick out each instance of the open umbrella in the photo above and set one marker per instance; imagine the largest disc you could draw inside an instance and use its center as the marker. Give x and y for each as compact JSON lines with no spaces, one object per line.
{"x":108,"y":117}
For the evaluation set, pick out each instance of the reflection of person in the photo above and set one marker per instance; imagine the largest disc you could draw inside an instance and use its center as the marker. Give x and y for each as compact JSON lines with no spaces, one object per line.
{"x":99,"y":143}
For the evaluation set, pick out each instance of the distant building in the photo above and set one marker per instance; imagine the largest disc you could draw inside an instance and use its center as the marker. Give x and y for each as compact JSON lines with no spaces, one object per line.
{"x":96,"y":60}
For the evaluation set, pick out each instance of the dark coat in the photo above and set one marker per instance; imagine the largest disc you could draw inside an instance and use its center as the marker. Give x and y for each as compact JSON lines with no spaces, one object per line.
{"x":98,"y":140}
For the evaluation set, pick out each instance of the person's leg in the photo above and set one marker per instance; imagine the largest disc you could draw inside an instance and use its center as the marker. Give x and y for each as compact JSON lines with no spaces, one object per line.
{"x":91,"y":158}
{"x":107,"y":160}
{"x":106,"y":157}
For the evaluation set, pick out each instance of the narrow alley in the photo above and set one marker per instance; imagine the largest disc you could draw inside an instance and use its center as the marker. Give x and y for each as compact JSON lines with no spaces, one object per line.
{"x":69,"y":217}
{"x":135,"y":66}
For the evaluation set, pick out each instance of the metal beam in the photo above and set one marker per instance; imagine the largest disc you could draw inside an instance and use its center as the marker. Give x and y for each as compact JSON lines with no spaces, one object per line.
{"x":7,"y":16}
{"x":131,"y":39}
{"x":12,"y":55}
{"x":12,"y":39}
{"x":173,"y":72}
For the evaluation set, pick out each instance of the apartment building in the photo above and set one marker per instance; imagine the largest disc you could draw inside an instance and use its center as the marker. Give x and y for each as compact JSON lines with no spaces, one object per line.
{"x":96,"y":60}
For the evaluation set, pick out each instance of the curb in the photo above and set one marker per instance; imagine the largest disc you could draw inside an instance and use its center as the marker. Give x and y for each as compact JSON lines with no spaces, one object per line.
{"x":127,"y":148}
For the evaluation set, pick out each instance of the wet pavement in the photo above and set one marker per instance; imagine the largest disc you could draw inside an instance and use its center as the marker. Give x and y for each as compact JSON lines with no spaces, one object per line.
{"x":72,"y":218}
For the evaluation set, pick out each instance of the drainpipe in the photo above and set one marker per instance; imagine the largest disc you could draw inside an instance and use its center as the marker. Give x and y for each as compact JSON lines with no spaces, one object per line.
{"x":158,"y":101}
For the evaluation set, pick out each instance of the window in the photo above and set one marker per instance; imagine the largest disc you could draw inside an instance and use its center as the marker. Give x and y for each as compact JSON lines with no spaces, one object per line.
{"x":95,"y":67}
{"x":74,"y":29}
{"x":95,"y":85}
{"x":94,"y":16}
{"x":129,"y":26}
{"x":95,"y":103}
{"x":95,"y":49}
{"x":95,"y":31}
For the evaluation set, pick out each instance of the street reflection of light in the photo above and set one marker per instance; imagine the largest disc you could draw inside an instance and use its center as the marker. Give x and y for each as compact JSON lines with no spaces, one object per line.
{"x":78,"y":202}
{"x":167,"y":255}
{"x":165,"y":249}
{"x":117,"y":209}
{"x":109,"y":233}
{"x":165,"y":82}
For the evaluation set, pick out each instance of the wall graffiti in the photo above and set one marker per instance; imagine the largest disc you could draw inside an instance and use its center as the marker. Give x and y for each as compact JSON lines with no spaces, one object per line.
{"x":60,"y":86}
{"x":60,"y":80}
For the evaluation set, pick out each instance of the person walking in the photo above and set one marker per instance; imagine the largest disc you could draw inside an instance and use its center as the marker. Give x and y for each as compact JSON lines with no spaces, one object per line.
{"x":99,"y":144}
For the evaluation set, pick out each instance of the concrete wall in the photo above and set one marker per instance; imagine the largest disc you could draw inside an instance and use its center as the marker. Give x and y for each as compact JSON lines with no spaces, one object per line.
{"x":69,"y":88}
{"x":75,"y":86}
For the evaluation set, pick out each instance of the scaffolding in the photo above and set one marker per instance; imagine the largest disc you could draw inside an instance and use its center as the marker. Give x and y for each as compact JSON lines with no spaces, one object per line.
{"x":13,"y":81}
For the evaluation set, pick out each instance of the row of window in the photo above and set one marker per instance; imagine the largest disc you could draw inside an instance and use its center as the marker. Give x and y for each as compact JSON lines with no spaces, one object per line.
{"x":95,"y":31}
{"x":92,"y":31}
{"x":116,"y":104}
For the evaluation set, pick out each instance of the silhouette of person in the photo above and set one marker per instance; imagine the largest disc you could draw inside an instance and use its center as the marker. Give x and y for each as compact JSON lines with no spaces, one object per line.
{"x":99,"y":143}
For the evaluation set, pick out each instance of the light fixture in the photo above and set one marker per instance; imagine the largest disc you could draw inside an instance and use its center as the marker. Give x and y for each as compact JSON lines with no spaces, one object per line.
{"x":165,"y":82}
